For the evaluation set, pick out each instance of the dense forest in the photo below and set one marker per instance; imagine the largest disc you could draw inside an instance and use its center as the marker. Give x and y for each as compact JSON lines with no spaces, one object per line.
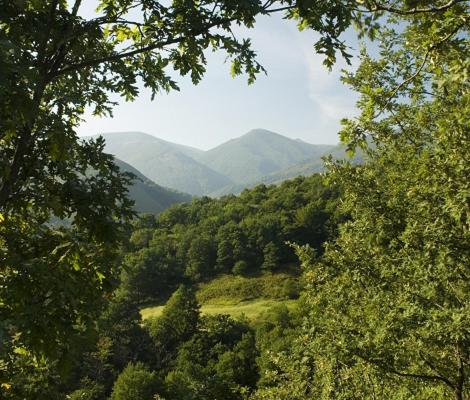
{"x":350,"y":285}
{"x":183,"y":353}
{"x":246,"y":234}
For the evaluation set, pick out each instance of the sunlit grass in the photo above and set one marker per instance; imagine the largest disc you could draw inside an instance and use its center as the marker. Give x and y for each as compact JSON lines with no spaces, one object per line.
{"x":240,"y":296}
{"x":251,"y":309}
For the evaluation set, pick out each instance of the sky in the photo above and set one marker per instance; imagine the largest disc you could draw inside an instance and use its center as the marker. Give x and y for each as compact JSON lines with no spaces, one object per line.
{"x":298,"y":98}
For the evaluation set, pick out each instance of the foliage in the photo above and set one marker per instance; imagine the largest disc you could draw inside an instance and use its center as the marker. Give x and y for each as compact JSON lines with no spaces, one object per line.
{"x":216,"y":363}
{"x":135,"y":382}
{"x":207,"y":237}
{"x":177,"y":323}
{"x":389,"y":298}
{"x":55,"y":64}
{"x":271,"y":257}
{"x":148,"y":271}
{"x":119,"y":340}
{"x":92,"y":392}
{"x":31,"y":378}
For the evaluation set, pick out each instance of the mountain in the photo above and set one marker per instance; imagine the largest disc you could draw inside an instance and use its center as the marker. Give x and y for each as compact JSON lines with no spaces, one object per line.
{"x":167,"y":164}
{"x":148,"y":196}
{"x":122,"y":140}
{"x":304,"y":168}
{"x":313,"y":165}
{"x":257,"y":154}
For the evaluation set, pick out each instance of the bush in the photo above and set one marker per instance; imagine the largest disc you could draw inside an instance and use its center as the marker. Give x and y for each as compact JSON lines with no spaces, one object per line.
{"x":136,"y":382}
{"x":93,"y":392}
{"x":291,"y":289}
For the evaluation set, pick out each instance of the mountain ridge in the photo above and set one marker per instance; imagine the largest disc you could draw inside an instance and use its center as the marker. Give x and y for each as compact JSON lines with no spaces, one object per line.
{"x":167,"y":164}
{"x":257,"y":153}
{"x":258,"y":156}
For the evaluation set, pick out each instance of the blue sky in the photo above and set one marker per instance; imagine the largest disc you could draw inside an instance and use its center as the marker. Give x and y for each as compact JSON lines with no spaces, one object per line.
{"x":298,"y":98}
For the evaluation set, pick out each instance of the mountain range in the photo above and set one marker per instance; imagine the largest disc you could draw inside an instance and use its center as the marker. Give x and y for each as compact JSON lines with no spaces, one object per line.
{"x":259,"y":156}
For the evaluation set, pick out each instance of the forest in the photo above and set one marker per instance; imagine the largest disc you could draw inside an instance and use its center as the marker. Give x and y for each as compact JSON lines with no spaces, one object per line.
{"x":350,"y":284}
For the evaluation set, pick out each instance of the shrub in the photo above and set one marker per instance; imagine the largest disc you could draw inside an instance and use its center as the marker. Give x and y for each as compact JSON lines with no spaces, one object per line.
{"x":136,"y":382}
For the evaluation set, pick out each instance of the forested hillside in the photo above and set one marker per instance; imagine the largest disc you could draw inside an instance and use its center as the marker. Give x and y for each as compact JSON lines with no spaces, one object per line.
{"x":247,"y":234}
{"x":234,"y":252}
{"x":307,"y":167}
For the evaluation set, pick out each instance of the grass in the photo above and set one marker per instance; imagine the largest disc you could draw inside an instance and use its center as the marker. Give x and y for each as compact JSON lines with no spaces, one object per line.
{"x":230,"y":288}
{"x":238,"y":295}
{"x":251,"y":309}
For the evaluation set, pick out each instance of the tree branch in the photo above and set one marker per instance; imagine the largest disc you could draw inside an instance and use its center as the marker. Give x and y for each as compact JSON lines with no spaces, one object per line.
{"x":391,"y":370}
{"x":422,"y":376}
{"x":76,"y":6}
{"x":150,"y":47}
{"x":383,"y":7}
{"x":25,"y":136}
{"x":418,"y":69}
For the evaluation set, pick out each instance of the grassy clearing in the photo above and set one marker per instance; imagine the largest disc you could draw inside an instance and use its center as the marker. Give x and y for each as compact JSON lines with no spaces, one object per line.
{"x":238,"y":295}
{"x":251,"y":309}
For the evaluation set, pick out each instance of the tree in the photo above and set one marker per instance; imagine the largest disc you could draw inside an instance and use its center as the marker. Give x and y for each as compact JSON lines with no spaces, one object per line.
{"x":231,"y":246}
{"x":148,"y":274}
{"x":200,"y":258}
{"x":271,"y":257}
{"x":135,"y":382}
{"x":389,"y":300}
{"x":54,"y":64}
{"x":218,"y":362}
{"x":176,"y":325}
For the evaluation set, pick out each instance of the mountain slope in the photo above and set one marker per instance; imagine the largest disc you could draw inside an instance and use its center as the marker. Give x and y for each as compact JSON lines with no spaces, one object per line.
{"x":148,"y":196}
{"x":304,"y":168}
{"x":167,"y":164}
{"x":257,"y":154}
{"x":122,"y":140}
{"x":260,"y":156}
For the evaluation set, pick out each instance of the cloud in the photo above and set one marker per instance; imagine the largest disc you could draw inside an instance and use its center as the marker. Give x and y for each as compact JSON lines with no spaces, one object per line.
{"x":331,"y":99}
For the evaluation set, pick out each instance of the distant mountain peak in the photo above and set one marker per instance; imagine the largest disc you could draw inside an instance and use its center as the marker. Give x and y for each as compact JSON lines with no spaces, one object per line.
{"x":260,"y":132}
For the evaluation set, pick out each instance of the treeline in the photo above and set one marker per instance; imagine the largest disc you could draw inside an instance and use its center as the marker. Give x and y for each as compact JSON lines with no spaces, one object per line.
{"x":242,"y":235}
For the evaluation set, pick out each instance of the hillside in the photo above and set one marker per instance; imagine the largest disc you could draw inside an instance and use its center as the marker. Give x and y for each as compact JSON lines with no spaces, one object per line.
{"x":304,"y":168}
{"x":148,"y":196}
{"x":240,"y":296}
{"x":239,"y":235}
{"x":120,"y":141}
{"x":167,"y":164}
{"x":258,"y":153}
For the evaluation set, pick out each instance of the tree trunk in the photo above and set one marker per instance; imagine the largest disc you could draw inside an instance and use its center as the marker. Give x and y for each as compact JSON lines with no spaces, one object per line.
{"x":461,"y":376}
